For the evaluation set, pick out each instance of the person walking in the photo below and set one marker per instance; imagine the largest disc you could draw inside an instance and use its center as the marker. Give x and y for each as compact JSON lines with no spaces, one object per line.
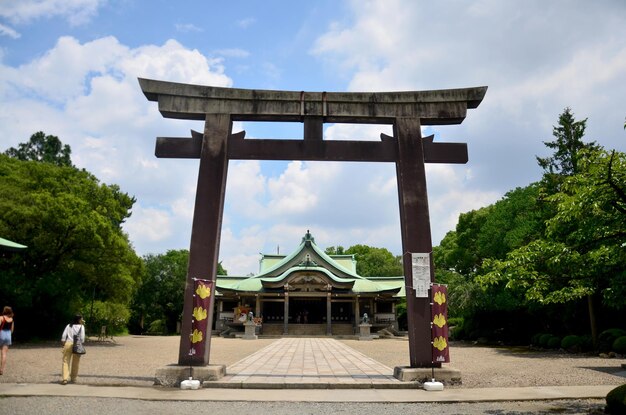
{"x":71,"y":361}
{"x":6,"y":332}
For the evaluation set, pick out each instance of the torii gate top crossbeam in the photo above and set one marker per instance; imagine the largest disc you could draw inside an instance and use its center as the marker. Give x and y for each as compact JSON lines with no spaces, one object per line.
{"x":194,"y":102}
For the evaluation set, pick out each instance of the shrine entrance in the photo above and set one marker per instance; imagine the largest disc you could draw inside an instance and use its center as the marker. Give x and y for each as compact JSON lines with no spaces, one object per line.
{"x":311,"y":310}
{"x":218,"y":107}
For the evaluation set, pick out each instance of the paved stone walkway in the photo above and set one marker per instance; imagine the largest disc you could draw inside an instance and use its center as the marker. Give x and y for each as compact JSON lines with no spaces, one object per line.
{"x":309,"y":362}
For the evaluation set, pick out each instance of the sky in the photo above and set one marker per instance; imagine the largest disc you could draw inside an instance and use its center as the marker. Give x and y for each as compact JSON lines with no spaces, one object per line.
{"x":69,"y":68}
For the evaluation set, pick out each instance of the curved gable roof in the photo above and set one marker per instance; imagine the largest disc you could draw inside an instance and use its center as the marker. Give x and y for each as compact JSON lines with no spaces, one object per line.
{"x":309,"y":258}
{"x":317,"y":256}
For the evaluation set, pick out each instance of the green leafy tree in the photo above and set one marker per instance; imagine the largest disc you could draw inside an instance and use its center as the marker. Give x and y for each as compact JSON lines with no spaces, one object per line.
{"x":44,"y":148}
{"x":161,"y":294}
{"x":371,"y":261}
{"x":335,"y":250}
{"x":77,"y":252}
{"x":158,"y":303}
{"x":582,"y":254}
{"x":543,"y":249}
{"x":481,"y":235}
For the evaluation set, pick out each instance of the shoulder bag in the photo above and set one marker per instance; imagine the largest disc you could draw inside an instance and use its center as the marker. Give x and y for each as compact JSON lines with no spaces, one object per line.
{"x":78,"y":347}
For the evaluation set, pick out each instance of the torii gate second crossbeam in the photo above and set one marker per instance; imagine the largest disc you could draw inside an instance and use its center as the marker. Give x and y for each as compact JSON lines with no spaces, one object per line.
{"x":219,"y":107}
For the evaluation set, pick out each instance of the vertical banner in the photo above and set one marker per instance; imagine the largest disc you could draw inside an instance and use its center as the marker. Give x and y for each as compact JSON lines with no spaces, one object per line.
{"x":200,"y":322}
{"x":439,"y":323}
{"x":420,"y":266}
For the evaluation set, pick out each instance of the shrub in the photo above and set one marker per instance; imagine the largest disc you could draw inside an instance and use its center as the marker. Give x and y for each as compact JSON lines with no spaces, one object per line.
{"x":112,"y":315}
{"x":616,"y":401}
{"x":157,"y":327}
{"x":586,"y":343}
{"x":455,"y":321}
{"x":619,"y":345}
{"x":535,"y":339}
{"x":607,"y":337}
{"x":572,"y":343}
{"x":457,"y":333}
{"x":554,"y":342}
{"x":544,"y":339}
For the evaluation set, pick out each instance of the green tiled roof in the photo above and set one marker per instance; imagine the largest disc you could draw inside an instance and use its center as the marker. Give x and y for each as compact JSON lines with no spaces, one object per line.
{"x":308,"y":257}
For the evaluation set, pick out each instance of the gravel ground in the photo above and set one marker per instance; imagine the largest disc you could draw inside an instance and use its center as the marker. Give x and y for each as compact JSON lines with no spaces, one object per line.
{"x":132,"y":360}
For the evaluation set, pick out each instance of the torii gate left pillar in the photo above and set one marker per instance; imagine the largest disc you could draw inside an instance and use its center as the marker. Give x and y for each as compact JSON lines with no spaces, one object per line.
{"x":218,"y":107}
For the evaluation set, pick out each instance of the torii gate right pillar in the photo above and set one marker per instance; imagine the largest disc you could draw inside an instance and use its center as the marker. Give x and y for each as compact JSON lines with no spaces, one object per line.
{"x":416,"y":236}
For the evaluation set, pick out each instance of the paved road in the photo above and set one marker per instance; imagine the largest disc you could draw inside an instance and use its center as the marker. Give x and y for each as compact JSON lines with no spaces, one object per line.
{"x":106,"y":406}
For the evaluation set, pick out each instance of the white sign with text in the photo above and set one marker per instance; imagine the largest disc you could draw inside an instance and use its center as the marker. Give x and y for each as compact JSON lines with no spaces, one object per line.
{"x":420,"y":264}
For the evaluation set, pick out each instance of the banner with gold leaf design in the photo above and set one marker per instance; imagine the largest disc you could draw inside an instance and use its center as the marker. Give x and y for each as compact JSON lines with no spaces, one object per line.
{"x":200,"y":321}
{"x":439,"y":323}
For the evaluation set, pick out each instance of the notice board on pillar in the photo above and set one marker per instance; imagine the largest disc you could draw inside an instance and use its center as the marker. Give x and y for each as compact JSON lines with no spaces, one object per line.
{"x":420,"y":267}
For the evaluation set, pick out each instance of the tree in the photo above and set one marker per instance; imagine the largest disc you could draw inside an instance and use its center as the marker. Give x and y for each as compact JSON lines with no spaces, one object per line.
{"x":158,"y":303}
{"x":77,"y":251}
{"x":335,"y":250}
{"x":568,"y":146}
{"x":371,"y":261}
{"x":482,"y":235}
{"x":44,"y":148}
{"x":582,"y":252}
{"x":543,"y":249}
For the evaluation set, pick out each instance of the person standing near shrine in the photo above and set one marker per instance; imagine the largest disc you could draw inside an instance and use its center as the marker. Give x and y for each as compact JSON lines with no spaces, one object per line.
{"x":6,"y":332}
{"x":71,"y":361}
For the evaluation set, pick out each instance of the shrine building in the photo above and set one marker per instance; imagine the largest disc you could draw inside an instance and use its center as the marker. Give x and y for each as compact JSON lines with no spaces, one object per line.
{"x":307,"y":292}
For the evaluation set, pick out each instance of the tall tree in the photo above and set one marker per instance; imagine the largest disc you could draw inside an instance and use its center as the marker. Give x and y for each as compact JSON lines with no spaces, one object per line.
{"x":77,"y":251}
{"x":582,"y":253}
{"x":481,"y":235}
{"x":44,"y":148}
{"x":567,"y":146}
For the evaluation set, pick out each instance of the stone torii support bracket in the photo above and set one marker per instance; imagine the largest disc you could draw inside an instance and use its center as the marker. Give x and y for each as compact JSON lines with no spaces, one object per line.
{"x":219,"y":107}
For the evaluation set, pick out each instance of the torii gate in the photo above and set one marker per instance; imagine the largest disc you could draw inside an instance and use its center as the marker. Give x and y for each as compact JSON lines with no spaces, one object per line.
{"x":219,"y":107}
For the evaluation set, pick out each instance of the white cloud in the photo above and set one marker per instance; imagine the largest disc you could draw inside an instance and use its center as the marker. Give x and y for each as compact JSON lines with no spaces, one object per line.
{"x":246,"y":22}
{"x":149,"y":224}
{"x":534,"y":63}
{"x":88,"y":95}
{"x":246,"y":187}
{"x":7,"y":31}
{"x":233,"y":53}
{"x":75,"y":11}
{"x":292,"y":192}
{"x":187,"y":28}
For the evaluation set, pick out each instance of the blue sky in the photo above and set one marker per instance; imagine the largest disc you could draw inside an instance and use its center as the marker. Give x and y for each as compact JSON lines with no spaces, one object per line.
{"x":70,"y":67}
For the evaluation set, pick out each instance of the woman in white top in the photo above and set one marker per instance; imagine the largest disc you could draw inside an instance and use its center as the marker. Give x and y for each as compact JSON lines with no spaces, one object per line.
{"x":70,"y":360}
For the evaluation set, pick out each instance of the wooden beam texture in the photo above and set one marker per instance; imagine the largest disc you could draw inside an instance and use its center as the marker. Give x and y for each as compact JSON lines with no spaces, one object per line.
{"x":193,"y":102}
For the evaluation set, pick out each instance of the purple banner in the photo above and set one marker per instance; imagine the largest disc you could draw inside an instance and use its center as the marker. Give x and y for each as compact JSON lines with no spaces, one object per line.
{"x":439,"y":323}
{"x":200,"y":321}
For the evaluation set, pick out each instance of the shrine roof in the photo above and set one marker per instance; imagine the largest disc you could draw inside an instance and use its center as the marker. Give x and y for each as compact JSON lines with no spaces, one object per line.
{"x":308,"y":259}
